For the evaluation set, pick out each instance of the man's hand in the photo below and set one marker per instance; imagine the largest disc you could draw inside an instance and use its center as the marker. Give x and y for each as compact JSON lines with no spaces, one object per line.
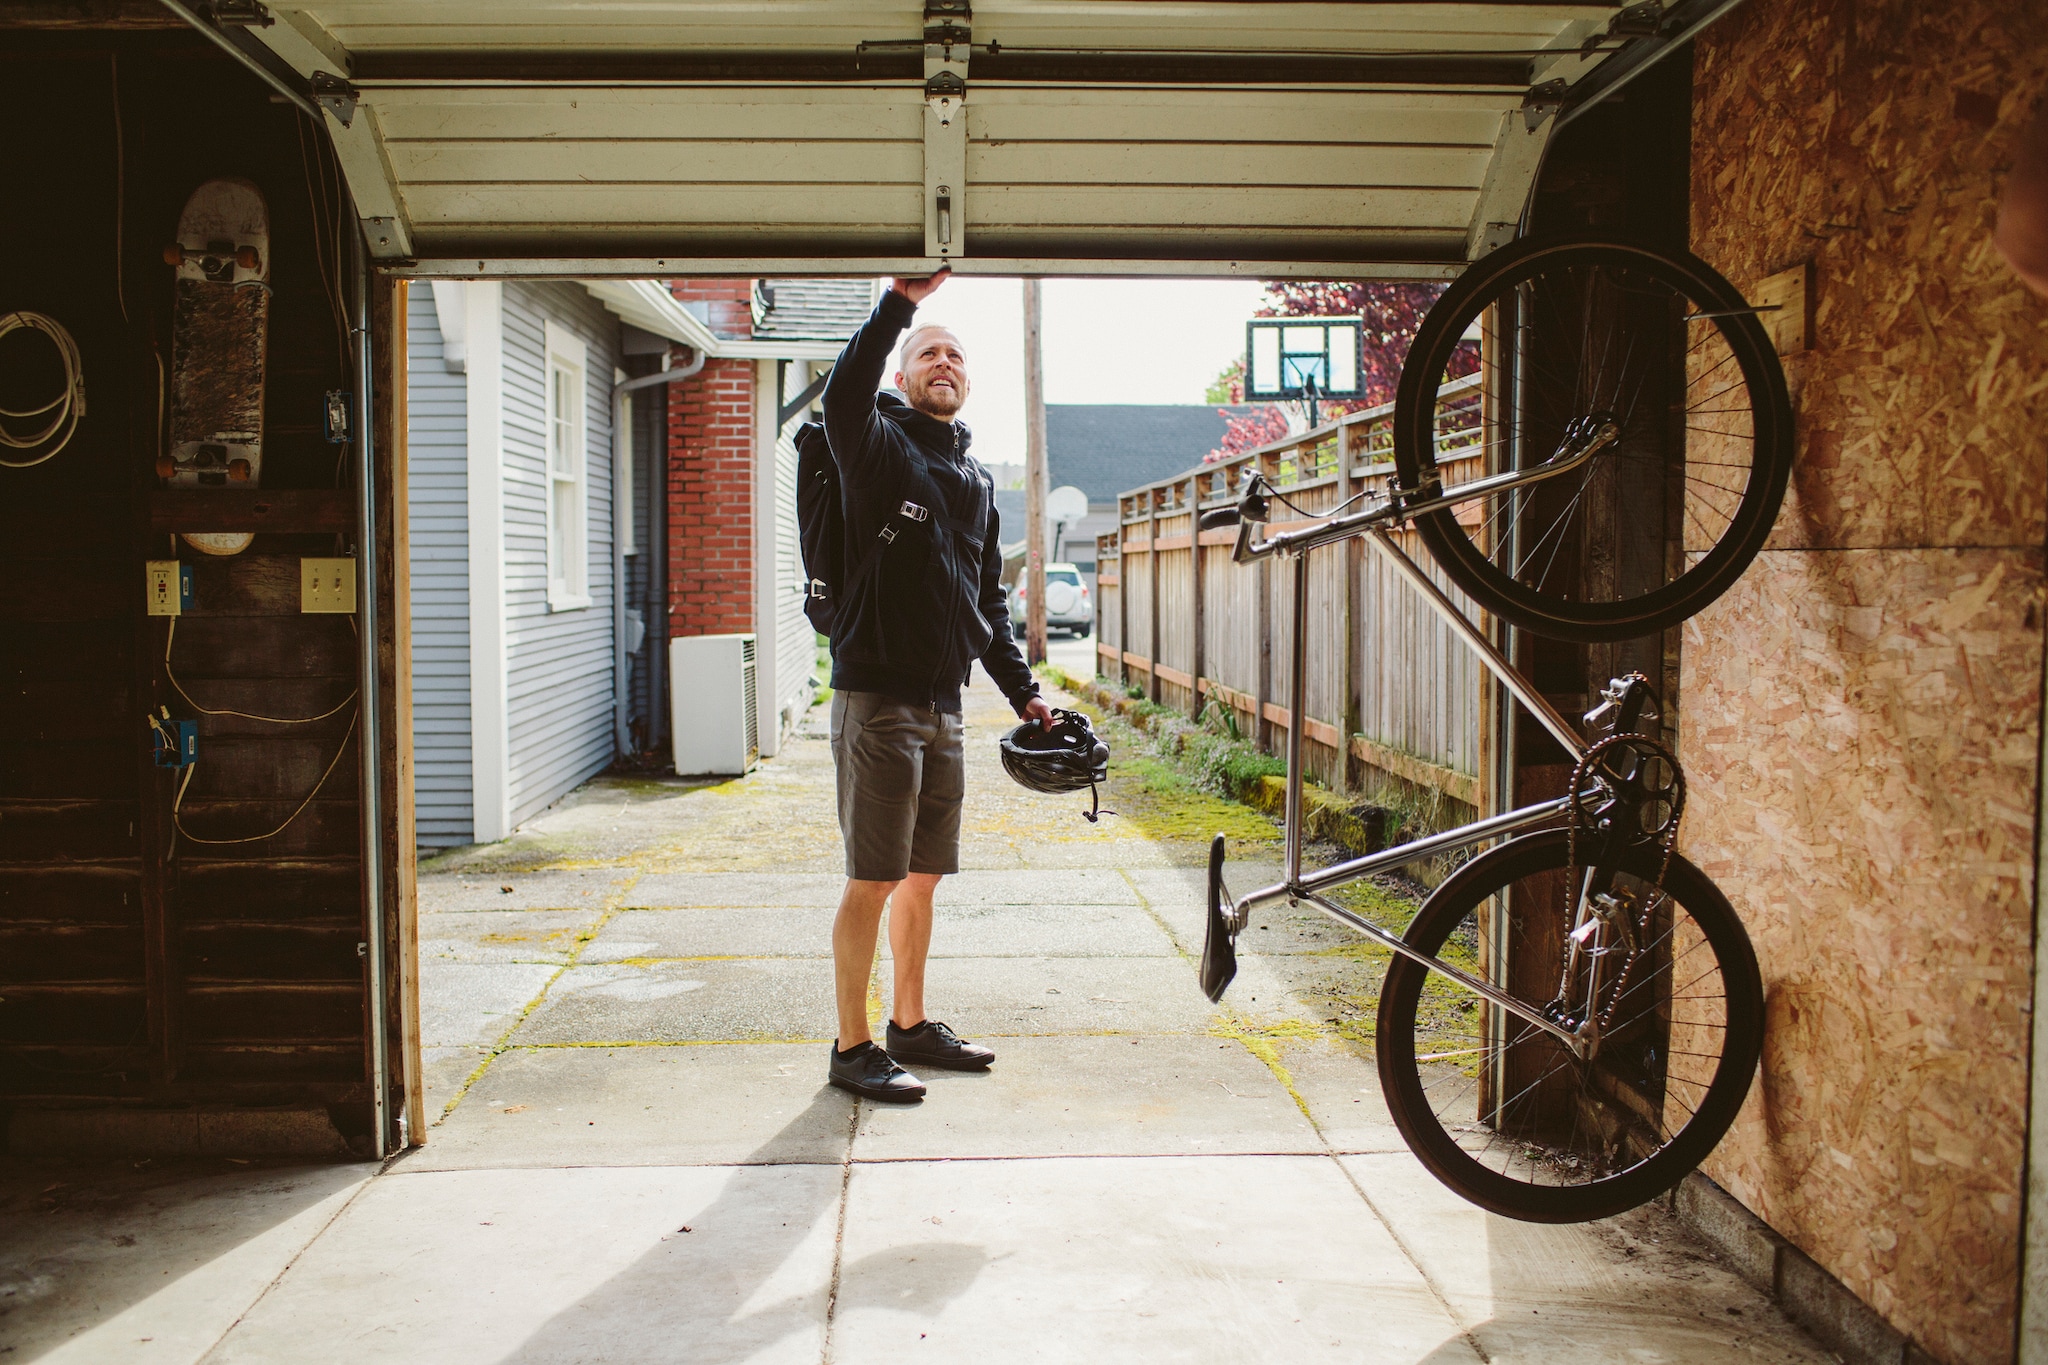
{"x":1037,"y":709}
{"x":918,"y":290}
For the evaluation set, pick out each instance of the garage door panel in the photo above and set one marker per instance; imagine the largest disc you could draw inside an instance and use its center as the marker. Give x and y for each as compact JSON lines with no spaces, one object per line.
{"x":1196,"y":163}
{"x":1276,"y":23}
{"x":722,"y":113}
{"x":830,"y":25}
{"x":550,"y":25}
{"x":829,"y":165}
{"x":475,"y":208}
{"x":1111,"y":208}
{"x":1095,"y":129}
{"x":1298,"y":117}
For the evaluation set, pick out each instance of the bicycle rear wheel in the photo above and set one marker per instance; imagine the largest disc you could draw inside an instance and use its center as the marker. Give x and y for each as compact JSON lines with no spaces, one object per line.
{"x":1650,"y":529}
{"x":1503,"y":1112}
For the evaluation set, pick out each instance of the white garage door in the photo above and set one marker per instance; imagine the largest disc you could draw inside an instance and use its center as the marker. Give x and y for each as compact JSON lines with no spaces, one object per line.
{"x":1062,"y":135}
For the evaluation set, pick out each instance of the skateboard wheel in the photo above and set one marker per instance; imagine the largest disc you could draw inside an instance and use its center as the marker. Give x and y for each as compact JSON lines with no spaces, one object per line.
{"x":238,"y":471}
{"x":174,"y":254}
{"x":165,"y":466}
{"x":245,"y":257}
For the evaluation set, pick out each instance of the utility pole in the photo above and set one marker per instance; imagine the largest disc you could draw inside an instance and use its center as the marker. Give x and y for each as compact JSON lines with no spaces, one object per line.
{"x":1034,"y":480}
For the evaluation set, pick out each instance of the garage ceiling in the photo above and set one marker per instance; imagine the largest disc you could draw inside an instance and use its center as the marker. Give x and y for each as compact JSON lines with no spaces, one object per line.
{"x":1065,"y":136}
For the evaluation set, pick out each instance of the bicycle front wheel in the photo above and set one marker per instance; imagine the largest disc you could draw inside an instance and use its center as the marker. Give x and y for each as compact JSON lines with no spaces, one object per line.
{"x":1541,"y":335}
{"x":1503,"y":1112}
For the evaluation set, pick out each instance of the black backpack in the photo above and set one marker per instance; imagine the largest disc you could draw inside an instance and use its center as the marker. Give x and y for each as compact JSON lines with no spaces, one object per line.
{"x":820,"y":525}
{"x":821,"y":529}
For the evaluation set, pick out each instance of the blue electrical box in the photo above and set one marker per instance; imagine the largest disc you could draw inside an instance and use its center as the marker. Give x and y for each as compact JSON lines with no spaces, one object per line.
{"x":177,"y":742}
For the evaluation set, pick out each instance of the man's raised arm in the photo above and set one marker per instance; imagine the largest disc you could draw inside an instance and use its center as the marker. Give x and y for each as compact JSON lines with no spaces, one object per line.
{"x":851,"y":424}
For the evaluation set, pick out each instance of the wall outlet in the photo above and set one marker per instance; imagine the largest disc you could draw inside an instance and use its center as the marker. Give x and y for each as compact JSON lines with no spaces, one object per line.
{"x":177,"y":743}
{"x":327,"y":585}
{"x":168,"y":583}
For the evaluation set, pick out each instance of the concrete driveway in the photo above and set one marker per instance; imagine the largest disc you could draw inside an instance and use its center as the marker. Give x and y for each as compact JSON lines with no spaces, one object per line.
{"x":635,"y":1156}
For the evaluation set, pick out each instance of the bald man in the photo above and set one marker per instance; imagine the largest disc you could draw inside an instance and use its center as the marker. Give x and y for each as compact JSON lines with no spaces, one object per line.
{"x":904,"y":639}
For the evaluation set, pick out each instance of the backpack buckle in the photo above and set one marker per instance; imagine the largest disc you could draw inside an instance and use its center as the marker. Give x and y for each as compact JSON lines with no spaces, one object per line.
{"x":816,"y":590}
{"x":888,"y":534}
{"x":913,"y":511}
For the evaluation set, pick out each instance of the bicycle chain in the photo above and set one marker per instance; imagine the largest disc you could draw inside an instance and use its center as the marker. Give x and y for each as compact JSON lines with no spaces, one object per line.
{"x":1647,"y":750}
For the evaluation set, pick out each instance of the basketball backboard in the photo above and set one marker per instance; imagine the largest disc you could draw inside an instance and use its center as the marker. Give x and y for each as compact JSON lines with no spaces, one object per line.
{"x":1302,"y":358}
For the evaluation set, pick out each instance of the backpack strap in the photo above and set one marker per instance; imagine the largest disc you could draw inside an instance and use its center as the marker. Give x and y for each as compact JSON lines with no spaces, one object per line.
{"x":912,"y":510}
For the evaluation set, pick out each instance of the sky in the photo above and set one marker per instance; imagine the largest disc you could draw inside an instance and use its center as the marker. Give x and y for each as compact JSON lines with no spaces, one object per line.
{"x":1105,"y":341}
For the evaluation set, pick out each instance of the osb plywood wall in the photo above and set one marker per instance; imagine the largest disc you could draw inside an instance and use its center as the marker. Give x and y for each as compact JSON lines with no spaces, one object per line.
{"x":1862,"y":710}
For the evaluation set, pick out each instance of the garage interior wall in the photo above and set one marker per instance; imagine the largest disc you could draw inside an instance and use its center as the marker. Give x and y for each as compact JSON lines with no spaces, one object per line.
{"x":159,"y":979}
{"x":1861,"y":719}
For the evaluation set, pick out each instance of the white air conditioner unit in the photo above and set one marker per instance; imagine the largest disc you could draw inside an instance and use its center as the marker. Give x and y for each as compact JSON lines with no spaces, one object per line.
{"x":712,"y":711}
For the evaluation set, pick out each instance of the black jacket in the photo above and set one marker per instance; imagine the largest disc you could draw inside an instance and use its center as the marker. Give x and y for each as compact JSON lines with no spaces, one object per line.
{"x":935,"y":601}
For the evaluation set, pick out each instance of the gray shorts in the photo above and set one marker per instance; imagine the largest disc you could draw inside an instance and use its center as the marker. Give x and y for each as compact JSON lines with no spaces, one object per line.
{"x":901,"y":781}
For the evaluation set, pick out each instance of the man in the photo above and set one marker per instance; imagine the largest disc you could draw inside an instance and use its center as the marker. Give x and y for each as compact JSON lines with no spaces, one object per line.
{"x":904,"y":638}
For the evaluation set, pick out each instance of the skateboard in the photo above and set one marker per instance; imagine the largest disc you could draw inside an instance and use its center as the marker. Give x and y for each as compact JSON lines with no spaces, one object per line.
{"x":220,"y":333}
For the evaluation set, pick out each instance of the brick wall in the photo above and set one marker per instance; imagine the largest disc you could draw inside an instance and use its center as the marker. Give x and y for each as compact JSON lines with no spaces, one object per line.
{"x":711,"y":495}
{"x":729,"y":305}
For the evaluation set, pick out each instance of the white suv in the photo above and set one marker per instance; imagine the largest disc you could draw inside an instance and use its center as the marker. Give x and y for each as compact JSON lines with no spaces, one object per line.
{"x":1068,"y":606}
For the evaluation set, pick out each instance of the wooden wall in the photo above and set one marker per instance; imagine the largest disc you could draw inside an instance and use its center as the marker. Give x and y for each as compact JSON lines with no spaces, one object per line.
{"x":138,"y":967}
{"x":1862,"y":711}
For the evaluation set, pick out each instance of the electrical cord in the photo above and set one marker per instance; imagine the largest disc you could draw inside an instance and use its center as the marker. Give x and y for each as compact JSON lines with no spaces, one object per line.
{"x":68,"y":405}
{"x":172,"y":634}
{"x":178,"y":823}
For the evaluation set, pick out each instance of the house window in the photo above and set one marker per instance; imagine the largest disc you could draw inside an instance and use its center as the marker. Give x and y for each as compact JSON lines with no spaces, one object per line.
{"x":568,"y":530}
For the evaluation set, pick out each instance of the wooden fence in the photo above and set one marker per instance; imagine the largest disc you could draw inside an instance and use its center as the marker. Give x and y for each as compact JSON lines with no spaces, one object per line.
{"x":1391,"y":691}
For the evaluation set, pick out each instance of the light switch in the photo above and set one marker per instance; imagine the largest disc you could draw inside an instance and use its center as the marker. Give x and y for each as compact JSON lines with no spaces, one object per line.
{"x":327,"y":585}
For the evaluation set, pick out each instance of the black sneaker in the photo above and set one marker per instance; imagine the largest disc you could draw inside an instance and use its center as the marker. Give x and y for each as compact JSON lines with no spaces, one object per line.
{"x":867,"y":1070}
{"x":931,"y":1043}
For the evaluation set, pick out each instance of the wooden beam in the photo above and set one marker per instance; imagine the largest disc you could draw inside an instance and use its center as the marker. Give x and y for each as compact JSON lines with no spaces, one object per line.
{"x":399,"y":864}
{"x":281,"y":510}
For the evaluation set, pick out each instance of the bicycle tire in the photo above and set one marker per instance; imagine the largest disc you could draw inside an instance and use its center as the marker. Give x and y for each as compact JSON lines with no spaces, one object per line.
{"x":1577,"y":1148}
{"x":1603,"y":299}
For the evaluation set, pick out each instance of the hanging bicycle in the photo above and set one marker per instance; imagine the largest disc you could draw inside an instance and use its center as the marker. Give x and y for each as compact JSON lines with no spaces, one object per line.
{"x":1571,"y":1020}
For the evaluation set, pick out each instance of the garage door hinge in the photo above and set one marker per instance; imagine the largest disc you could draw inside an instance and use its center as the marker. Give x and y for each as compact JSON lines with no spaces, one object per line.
{"x":1639,"y":21}
{"x":948,"y":42}
{"x":336,"y":96}
{"x":239,"y":14}
{"x":1542,"y":101}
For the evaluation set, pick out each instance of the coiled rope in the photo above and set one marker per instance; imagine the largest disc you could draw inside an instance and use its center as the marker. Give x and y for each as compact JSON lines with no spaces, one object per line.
{"x":65,"y":409}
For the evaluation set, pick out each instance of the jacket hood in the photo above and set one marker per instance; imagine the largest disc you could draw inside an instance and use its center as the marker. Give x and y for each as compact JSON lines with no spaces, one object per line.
{"x":921,"y":427}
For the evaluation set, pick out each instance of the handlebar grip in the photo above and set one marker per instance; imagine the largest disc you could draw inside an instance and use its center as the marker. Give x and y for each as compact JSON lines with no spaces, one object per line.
{"x":1219,"y":518}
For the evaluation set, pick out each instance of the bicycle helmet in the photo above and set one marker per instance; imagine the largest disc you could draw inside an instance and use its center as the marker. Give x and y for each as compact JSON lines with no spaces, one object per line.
{"x":1064,"y":758}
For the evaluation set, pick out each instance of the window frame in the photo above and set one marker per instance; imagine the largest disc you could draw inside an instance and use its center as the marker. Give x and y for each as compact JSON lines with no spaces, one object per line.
{"x":566,"y":355}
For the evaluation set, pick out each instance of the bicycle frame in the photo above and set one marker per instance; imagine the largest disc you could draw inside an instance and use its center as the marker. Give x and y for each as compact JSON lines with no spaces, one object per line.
{"x":1372,"y":524}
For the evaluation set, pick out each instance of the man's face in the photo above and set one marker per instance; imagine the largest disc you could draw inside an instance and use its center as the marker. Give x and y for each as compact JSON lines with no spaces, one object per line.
{"x":934,"y":373}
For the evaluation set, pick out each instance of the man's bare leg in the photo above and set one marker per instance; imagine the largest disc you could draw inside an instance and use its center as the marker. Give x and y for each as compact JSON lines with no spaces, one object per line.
{"x":910,"y":942}
{"x":854,"y":931}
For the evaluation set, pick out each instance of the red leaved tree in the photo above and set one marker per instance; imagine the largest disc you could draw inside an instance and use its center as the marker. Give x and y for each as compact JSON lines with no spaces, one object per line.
{"x":1391,"y":313}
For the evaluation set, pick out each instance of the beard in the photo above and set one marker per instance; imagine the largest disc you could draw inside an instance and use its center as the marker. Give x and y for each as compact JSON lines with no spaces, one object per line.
{"x":942,"y":402}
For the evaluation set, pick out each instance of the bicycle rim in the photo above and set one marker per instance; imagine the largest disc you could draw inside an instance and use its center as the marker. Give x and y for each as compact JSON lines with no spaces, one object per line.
{"x":1502,"y":1112}
{"x":1648,"y":530}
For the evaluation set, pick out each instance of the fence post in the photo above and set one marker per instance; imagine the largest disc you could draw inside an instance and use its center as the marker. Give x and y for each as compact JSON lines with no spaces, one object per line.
{"x":1123,"y":596}
{"x":1152,"y":566}
{"x":1195,"y":595}
{"x":1347,"y":642}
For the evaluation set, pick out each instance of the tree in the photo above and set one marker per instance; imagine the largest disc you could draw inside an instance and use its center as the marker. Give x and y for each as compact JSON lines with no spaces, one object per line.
{"x":1390,"y":314}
